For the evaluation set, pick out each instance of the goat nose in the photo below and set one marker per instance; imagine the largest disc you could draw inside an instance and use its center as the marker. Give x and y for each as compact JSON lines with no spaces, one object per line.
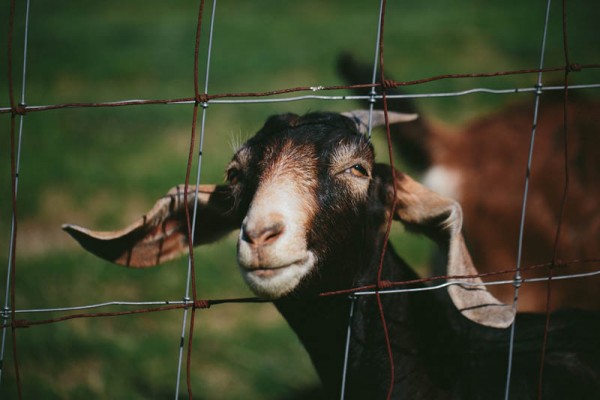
{"x":262,"y":234}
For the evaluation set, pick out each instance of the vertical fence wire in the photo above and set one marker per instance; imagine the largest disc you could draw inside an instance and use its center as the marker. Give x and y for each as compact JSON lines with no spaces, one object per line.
{"x":565,"y":193}
{"x":347,"y":347}
{"x":204,"y":104}
{"x":375,"y":67}
{"x":191,"y":275}
{"x":384,"y":324}
{"x":518,"y":278}
{"x":372,"y":101}
{"x":9,"y":301}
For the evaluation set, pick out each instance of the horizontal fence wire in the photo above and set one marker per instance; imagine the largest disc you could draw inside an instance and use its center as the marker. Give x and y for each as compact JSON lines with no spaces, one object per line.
{"x":251,"y":97}
{"x":203,"y":99}
{"x":387,"y":287}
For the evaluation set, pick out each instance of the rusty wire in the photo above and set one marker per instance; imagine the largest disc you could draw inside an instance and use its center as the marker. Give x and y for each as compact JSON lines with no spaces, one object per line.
{"x":203,"y":99}
{"x":207,"y":98}
{"x":565,"y":193}
{"x":385,"y":287}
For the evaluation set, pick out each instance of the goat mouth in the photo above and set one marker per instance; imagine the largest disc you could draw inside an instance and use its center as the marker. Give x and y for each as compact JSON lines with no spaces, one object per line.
{"x":266,"y":272}
{"x":277,"y":281}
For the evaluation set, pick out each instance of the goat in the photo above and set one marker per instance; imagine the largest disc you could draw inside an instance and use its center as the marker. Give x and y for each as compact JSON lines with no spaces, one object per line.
{"x":312,"y":207}
{"x":482,"y":165}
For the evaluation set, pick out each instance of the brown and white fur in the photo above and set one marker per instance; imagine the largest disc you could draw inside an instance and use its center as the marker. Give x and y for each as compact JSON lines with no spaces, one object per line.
{"x":482,"y":164}
{"x":312,"y":207}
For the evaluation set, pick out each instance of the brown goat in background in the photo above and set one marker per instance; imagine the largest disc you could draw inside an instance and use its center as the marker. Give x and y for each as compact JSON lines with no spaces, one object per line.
{"x":483,"y":165}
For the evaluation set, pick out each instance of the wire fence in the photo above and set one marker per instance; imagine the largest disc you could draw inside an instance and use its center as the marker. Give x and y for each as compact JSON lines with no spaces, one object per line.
{"x":15,"y":318}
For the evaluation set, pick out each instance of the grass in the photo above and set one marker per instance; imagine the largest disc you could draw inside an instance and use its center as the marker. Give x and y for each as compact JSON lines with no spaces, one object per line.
{"x":104,"y":167}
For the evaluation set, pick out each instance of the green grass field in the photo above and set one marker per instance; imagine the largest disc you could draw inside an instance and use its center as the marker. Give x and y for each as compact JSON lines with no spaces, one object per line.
{"x":105,"y":167}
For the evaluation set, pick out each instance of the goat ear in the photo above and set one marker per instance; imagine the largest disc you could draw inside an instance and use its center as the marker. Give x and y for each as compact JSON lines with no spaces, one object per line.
{"x":361,"y":118}
{"x":162,"y":233}
{"x":440,"y":218}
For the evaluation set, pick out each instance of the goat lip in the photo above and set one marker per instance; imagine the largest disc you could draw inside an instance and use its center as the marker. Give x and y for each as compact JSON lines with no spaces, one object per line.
{"x":266,"y":272}
{"x":269,"y":271}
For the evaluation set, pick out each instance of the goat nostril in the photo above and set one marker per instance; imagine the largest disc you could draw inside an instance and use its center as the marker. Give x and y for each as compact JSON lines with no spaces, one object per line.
{"x":261,"y":236}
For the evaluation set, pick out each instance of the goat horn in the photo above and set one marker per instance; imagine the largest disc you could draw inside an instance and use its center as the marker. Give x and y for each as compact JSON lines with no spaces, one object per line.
{"x":377,"y":118}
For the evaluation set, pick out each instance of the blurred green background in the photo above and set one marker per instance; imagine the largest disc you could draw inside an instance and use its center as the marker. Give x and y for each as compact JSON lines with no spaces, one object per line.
{"x":104,"y":167}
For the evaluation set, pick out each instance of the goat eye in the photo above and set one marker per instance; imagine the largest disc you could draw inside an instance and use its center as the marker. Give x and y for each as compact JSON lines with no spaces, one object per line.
{"x":358,"y":171}
{"x":233,"y":176}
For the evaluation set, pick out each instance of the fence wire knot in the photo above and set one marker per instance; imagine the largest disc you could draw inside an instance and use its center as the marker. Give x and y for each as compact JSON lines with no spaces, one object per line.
{"x":574,"y":67}
{"x":517,"y":282}
{"x":20,"y":109}
{"x":203,"y":304}
{"x":385,"y":284}
{"x":202,"y":99}
{"x":538,"y":88}
{"x":390,"y":84}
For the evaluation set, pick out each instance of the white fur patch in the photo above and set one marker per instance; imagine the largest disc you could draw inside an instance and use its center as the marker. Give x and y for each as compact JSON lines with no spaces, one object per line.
{"x":444,"y":181}
{"x":275,"y":268}
{"x":274,"y":283}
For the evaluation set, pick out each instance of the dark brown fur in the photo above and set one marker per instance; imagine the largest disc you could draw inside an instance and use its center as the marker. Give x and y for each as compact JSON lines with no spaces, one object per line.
{"x":437,"y":352}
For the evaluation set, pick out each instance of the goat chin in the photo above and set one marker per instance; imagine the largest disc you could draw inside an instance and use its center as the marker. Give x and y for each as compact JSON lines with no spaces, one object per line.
{"x":274,"y":282}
